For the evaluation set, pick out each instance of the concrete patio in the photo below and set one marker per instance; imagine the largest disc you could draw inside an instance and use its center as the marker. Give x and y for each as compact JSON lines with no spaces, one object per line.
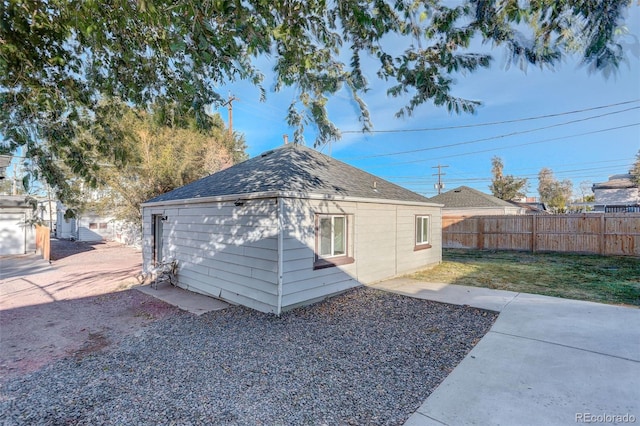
{"x":545,"y":361}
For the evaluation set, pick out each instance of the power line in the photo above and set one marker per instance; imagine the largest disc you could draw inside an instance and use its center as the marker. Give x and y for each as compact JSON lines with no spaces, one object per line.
{"x":493,"y":123}
{"x":626,"y":160}
{"x":423,"y":180}
{"x":627,"y":163}
{"x":507,"y":147}
{"x":491,"y":137}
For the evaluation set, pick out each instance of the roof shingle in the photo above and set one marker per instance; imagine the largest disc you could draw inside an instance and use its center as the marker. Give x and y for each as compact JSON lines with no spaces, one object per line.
{"x":464,"y":196}
{"x":292,"y":168}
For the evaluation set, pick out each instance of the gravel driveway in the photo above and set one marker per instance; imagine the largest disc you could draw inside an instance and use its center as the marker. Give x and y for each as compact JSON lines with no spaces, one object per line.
{"x":364,"y":357}
{"x":74,"y":306}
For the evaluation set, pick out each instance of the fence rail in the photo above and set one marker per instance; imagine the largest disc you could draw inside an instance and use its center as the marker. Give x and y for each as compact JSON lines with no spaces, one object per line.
{"x":599,"y":233}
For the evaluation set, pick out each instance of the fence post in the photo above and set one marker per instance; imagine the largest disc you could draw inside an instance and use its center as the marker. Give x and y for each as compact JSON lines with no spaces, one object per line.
{"x":533,"y":233}
{"x":480,"y":233}
{"x":602,"y":233}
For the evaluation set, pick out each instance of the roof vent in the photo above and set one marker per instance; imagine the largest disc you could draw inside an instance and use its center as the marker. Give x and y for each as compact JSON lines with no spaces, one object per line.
{"x":264,"y":154}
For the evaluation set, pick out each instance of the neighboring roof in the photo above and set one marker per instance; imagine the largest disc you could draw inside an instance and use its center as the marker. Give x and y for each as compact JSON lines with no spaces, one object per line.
{"x":621,"y":181}
{"x":465,"y":197}
{"x":5,"y":160}
{"x":14,"y":201}
{"x":531,"y":208}
{"x":292,"y":168}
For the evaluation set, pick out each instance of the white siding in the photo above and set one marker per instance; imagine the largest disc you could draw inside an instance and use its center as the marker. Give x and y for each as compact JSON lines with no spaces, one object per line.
{"x":222,"y":250}
{"x":483,"y":211}
{"x":231,"y":252}
{"x":409,"y":260}
{"x":13,"y":232}
{"x":381,"y":241}
{"x":618,"y":196}
{"x":95,"y":227}
{"x":17,"y":236}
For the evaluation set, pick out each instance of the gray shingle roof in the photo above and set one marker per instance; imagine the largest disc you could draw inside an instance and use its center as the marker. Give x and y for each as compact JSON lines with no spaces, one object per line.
{"x":622,"y":181}
{"x":464,"y":196}
{"x":292,"y":168}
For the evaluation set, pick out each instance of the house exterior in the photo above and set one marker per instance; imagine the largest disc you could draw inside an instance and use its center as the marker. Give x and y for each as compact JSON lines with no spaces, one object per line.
{"x":531,"y":207}
{"x":17,"y":234}
{"x":289,"y":227}
{"x":618,"y":195}
{"x":5,"y":161}
{"x":465,"y":201}
{"x":87,"y":226}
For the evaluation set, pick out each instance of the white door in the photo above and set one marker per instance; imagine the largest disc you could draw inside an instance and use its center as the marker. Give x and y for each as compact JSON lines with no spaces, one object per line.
{"x":13,"y":233}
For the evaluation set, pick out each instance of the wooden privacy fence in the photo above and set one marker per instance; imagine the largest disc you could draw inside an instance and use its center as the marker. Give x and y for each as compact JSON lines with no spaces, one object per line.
{"x":43,"y":241}
{"x":599,"y":233}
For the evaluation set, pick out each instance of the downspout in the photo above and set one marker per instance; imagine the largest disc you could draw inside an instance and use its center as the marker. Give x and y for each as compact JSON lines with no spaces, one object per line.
{"x":280,"y":253}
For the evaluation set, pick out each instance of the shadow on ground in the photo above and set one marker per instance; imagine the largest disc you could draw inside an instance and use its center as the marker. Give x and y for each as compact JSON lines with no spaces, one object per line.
{"x":65,"y":248}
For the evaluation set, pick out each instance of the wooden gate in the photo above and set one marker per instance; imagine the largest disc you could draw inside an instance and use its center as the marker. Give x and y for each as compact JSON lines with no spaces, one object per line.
{"x":43,"y":241}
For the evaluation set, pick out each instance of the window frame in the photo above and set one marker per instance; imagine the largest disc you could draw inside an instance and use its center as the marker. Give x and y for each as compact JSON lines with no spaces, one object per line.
{"x":422,"y":245}
{"x":328,"y":261}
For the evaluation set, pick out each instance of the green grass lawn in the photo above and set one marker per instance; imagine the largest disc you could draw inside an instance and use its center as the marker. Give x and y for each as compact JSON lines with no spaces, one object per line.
{"x":609,"y":279}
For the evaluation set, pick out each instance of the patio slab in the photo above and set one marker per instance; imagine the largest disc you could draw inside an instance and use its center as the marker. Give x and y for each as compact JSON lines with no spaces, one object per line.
{"x":546,"y":360}
{"x":186,"y":300}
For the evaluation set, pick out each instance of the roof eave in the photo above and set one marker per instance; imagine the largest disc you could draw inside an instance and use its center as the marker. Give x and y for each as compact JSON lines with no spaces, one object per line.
{"x":287,"y":194}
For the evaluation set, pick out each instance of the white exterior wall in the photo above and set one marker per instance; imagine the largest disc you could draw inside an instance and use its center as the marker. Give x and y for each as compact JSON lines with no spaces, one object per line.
{"x":65,"y":228}
{"x":231,"y":252}
{"x":102,"y":227}
{"x":17,"y":236}
{"x":223,"y":250}
{"x":483,"y":211}
{"x":617,"y":196}
{"x":409,"y":260}
{"x":381,"y":240}
{"x":300,"y":282}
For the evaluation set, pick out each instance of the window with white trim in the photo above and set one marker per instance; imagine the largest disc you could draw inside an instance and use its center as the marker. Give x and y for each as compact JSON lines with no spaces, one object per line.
{"x":332,"y":240}
{"x":423,"y":230}
{"x":332,"y":236}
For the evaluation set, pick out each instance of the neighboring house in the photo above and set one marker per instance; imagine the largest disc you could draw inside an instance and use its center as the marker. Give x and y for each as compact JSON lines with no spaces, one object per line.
{"x":88,"y":226}
{"x":17,"y":234}
{"x":5,"y":161}
{"x":289,"y":227}
{"x":532,"y":207}
{"x":618,"y":194}
{"x":465,"y":201}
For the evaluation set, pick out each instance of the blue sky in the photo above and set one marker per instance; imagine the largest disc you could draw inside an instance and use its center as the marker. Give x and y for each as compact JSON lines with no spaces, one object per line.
{"x":585,"y":146}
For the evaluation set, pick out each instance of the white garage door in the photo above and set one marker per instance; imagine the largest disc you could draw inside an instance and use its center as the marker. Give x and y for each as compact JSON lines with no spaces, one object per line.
{"x":12,"y":233}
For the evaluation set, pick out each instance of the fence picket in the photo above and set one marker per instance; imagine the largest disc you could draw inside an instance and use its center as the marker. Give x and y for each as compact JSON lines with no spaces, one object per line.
{"x":598,"y":233}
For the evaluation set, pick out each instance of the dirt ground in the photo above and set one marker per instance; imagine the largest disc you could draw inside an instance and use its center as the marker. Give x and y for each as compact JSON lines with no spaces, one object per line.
{"x":82,"y":302}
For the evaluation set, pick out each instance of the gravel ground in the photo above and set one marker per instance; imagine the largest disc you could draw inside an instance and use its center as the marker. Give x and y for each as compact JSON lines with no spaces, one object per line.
{"x":364,"y":357}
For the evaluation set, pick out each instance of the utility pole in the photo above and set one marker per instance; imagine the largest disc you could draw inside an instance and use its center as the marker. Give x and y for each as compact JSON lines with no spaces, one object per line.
{"x":439,"y":186}
{"x":229,"y":105}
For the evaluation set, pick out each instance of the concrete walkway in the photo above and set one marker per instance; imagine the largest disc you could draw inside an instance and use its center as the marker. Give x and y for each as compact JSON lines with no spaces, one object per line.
{"x":545,"y":361}
{"x":186,"y":300}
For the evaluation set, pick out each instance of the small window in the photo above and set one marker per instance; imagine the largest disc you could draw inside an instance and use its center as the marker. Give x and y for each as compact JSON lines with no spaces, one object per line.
{"x":332,"y":241}
{"x":103,"y":225}
{"x":423,"y":232}
{"x":333,"y":238}
{"x":93,"y":226}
